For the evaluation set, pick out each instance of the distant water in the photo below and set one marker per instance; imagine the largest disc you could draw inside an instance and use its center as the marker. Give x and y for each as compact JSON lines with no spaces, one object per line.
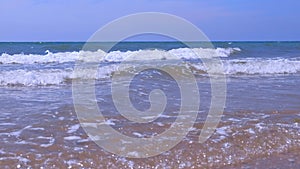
{"x":38,"y":125}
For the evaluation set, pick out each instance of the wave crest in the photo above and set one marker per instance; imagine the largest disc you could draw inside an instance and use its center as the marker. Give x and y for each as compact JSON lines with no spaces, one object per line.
{"x":62,"y":76}
{"x":117,"y":56}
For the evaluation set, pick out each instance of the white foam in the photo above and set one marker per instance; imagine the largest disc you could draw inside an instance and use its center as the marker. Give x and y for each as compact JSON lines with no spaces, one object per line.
{"x":72,"y":138}
{"x":37,"y":128}
{"x":256,"y":66}
{"x":34,"y":77}
{"x":7,"y":124}
{"x":260,"y":126}
{"x":49,"y":57}
{"x":197,"y":53}
{"x":73,"y":162}
{"x":115,"y":56}
{"x":222,"y":130}
{"x":50,"y":143}
{"x":52,"y":76}
{"x":250,"y":130}
{"x":61,"y":118}
{"x":110,"y":122}
{"x":138,"y":134}
{"x":133,"y":154}
{"x":61,"y":76}
{"x":73,"y":128}
{"x":44,"y":77}
{"x":18,"y":132}
{"x":93,"y":125}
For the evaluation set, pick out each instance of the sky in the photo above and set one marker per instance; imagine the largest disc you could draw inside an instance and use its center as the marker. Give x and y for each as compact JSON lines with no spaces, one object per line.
{"x":220,"y":20}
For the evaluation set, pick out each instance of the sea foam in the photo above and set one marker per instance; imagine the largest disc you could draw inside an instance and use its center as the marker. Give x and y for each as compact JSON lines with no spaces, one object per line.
{"x":116,"y":56}
{"x":109,"y":63}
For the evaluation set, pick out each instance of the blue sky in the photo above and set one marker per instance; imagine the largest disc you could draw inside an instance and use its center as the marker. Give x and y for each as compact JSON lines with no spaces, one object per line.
{"x":77,"y":20}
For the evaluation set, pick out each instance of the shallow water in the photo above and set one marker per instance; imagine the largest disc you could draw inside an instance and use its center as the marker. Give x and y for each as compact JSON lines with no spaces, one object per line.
{"x":39,"y":127}
{"x":259,"y":127}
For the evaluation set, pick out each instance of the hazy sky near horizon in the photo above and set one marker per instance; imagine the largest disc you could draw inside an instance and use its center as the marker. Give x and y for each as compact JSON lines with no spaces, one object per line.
{"x":77,"y":20}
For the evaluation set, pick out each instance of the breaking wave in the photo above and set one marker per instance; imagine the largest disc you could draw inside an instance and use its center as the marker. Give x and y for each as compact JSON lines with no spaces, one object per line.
{"x":62,"y":76}
{"x":117,"y":56}
{"x":257,"y":67}
{"x":39,"y":75}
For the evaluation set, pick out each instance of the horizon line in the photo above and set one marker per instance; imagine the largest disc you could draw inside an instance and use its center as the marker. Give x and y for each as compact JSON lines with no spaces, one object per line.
{"x":169,"y":41}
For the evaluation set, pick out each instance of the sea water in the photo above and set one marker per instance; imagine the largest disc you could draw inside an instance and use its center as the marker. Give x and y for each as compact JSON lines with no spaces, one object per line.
{"x":39,"y":126}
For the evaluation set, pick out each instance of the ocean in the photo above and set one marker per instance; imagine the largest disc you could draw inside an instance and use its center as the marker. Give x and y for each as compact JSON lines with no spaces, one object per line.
{"x":259,"y":126}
